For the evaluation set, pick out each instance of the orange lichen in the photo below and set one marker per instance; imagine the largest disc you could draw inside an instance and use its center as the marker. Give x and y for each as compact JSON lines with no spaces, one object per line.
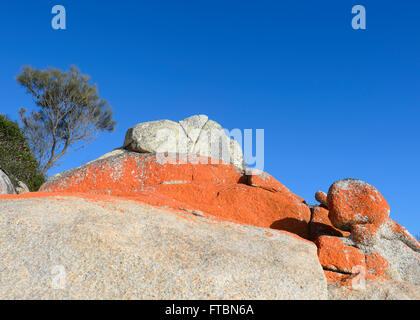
{"x":334,"y":255}
{"x":354,"y":202}
{"x":265,"y":181}
{"x":340,"y":278}
{"x":363,"y":233}
{"x":376,"y":266}
{"x":321,"y":197}
{"x":217,"y":190}
{"x":321,"y":225}
{"x":404,"y":234}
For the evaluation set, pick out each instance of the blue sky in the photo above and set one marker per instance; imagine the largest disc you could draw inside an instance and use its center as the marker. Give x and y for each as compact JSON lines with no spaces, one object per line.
{"x":334,"y":102}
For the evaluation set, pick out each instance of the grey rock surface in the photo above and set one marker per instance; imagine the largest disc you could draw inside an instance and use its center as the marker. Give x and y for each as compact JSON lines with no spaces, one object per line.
{"x":22,"y":188}
{"x":383,"y":290}
{"x":156,"y":136}
{"x":194,"y":135}
{"x":193,"y":126}
{"x":400,"y":249}
{"x":72,"y":248}
{"x":6,"y":186}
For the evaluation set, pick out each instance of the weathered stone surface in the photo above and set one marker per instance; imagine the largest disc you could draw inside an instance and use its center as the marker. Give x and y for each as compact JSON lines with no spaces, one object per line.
{"x":212,"y":141}
{"x":321,"y":225}
{"x":398,"y":249}
{"x":72,"y":248}
{"x":22,"y":188}
{"x":354,"y":202}
{"x":376,"y":249}
{"x":194,"y":135}
{"x":392,"y":254}
{"x":214,"y":189}
{"x":156,"y":136}
{"x":376,"y":290}
{"x":260,"y":179}
{"x":193,"y":126}
{"x":334,"y":255}
{"x":321,"y":197}
{"x":357,"y":207}
{"x":389,"y":250}
{"x":6,"y":186}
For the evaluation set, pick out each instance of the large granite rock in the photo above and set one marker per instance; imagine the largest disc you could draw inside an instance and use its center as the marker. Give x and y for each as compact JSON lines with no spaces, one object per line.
{"x":156,"y":137}
{"x":375,"y":248}
{"x":219,"y":190}
{"x":62,"y":247}
{"x":398,"y":249}
{"x":194,"y":135}
{"x":354,"y":202}
{"x":6,"y":186}
{"x":376,"y":290}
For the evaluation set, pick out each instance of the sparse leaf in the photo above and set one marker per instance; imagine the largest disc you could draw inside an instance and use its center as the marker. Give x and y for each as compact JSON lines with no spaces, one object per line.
{"x":69,"y":113}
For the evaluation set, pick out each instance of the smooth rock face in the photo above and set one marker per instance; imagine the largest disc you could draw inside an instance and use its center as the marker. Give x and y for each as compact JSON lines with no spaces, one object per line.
{"x":218,"y":190}
{"x":73,"y":248}
{"x":6,"y":186}
{"x":194,"y":135}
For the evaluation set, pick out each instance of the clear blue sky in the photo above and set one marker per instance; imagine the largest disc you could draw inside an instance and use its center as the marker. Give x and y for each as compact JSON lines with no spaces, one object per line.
{"x":334,"y":102}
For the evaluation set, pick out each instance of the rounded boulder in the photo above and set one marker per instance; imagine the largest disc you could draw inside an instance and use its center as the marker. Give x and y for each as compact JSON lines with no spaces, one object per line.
{"x":354,"y":202}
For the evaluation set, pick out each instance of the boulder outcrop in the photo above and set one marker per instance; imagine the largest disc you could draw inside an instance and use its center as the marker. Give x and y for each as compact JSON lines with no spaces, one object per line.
{"x":356,"y":240}
{"x":219,"y":190}
{"x":321,"y":225}
{"x":101,"y":247}
{"x":176,"y":214}
{"x":194,"y":135}
{"x":321,"y":197}
{"x":353,"y":202}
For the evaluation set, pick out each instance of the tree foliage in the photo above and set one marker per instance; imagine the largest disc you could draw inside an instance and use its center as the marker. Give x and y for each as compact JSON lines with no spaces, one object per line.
{"x":16,"y":158}
{"x":69,"y":113}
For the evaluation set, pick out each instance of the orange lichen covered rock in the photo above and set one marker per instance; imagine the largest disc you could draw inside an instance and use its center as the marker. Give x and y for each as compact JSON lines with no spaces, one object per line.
{"x":401,"y":233}
{"x":263,"y":180}
{"x":374,"y":269}
{"x":364,"y":233}
{"x":219,"y":190}
{"x":354,"y":202}
{"x":125,"y":173}
{"x":321,"y":197}
{"x":334,"y":255}
{"x":321,"y":225}
{"x":343,"y":279}
{"x":376,"y":266}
